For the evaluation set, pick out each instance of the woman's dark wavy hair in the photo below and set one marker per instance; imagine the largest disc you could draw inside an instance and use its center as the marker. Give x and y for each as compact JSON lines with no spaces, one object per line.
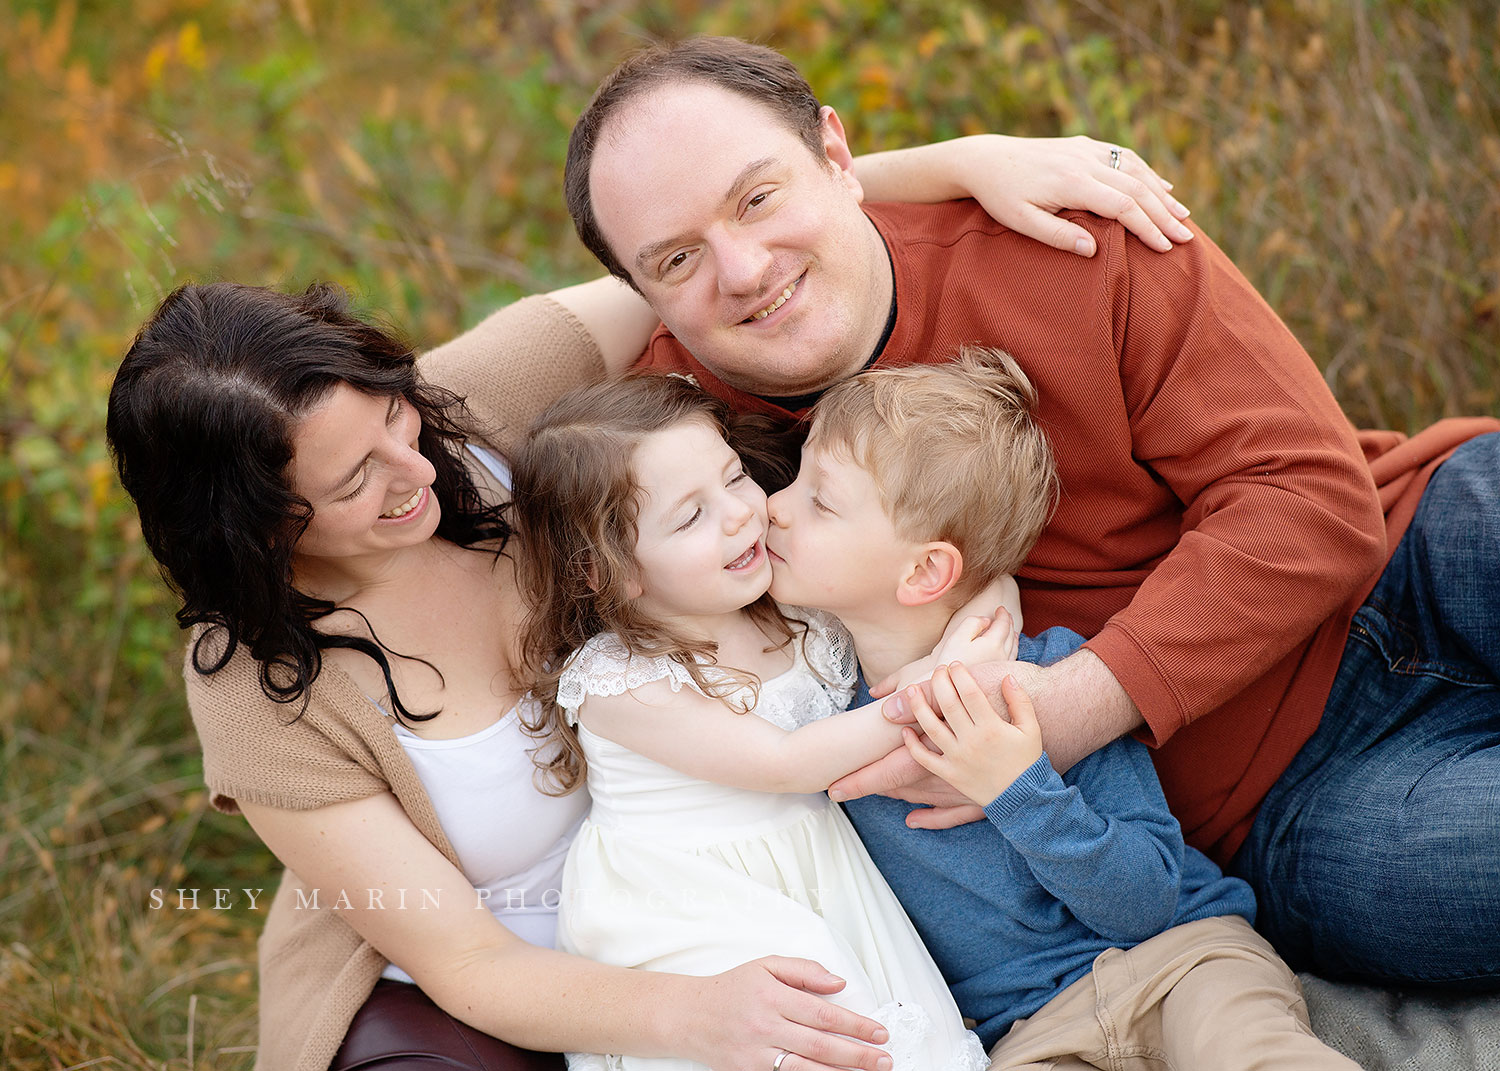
{"x":200,"y":425}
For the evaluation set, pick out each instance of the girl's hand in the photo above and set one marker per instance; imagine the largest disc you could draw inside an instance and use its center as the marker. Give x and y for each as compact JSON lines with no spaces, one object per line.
{"x":981,"y":752}
{"x":746,"y":1017}
{"x":1000,"y":592}
{"x":980,"y":639}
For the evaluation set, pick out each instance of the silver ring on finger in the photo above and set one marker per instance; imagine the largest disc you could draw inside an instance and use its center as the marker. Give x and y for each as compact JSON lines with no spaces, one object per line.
{"x":780,"y":1060}
{"x":1114,"y":158}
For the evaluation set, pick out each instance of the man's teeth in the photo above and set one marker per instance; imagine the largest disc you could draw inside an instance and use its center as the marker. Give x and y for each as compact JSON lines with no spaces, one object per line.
{"x":744,"y":559}
{"x":763,"y":313}
{"x":405,"y":507}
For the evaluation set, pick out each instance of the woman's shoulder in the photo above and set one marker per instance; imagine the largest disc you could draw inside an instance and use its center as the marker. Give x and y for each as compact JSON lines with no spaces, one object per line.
{"x":319,"y":748}
{"x":219,"y":679}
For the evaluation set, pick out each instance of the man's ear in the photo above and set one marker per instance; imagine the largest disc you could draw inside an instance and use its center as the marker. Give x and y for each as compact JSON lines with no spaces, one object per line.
{"x":931,"y":575}
{"x":836,"y":145}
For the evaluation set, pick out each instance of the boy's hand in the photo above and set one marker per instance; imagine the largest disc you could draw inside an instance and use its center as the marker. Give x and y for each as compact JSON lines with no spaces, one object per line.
{"x":981,"y":752}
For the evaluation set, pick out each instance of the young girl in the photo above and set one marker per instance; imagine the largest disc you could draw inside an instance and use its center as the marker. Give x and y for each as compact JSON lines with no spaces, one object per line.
{"x":710,"y":840}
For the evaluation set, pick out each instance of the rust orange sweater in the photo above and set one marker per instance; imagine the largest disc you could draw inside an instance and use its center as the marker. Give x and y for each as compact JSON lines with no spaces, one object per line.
{"x":1219,"y":522}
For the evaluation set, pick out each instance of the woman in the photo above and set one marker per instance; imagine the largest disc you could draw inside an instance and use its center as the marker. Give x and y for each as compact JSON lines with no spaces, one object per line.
{"x":344,"y":567}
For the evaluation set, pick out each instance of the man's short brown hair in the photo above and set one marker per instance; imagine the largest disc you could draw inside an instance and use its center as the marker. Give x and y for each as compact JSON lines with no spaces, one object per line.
{"x":956,"y":453}
{"x":753,"y":71}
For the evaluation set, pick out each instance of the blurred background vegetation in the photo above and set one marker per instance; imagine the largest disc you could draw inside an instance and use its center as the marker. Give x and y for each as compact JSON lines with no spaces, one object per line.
{"x":1345,"y":153}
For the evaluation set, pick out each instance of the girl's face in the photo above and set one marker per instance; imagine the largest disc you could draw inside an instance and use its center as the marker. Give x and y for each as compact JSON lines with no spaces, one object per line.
{"x":355,"y":459}
{"x":700,"y":548}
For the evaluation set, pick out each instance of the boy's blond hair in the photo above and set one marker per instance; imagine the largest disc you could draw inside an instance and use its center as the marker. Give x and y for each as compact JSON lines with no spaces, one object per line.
{"x":956,"y":453}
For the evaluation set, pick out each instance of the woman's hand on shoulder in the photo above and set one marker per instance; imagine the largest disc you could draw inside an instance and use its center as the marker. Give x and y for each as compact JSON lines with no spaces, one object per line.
{"x":1024,"y":182}
{"x":744,"y":1018}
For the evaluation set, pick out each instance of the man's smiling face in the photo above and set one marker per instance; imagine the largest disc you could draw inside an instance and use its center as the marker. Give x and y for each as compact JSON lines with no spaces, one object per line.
{"x":753,"y":251}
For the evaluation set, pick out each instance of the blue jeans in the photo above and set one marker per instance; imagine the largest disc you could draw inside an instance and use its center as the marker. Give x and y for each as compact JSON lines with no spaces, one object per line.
{"x":1376,"y":856}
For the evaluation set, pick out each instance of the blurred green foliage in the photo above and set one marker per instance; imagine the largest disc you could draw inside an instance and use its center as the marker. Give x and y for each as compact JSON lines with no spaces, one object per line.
{"x":1346,"y":155}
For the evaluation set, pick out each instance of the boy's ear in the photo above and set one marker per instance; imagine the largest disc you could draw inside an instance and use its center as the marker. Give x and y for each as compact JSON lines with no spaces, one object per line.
{"x":931,"y":575}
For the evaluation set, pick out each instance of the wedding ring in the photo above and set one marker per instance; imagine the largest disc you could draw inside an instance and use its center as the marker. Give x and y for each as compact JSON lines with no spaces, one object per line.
{"x":1114,"y":159}
{"x":779,"y":1060}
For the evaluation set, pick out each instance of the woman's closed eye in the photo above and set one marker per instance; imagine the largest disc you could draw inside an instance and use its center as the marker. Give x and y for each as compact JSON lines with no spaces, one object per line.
{"x":364,"y":481}
{"x":692,"y":520}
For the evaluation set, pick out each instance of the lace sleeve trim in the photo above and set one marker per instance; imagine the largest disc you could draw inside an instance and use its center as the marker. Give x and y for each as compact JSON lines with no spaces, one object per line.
{"x":603,"y":666}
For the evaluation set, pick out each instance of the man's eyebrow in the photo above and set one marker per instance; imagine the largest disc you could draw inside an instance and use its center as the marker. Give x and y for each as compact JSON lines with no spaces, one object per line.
{"x":748,"y":174}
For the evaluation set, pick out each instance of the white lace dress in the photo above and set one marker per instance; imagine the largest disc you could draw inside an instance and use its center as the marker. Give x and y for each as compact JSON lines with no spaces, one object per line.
{"x":670,"y":873}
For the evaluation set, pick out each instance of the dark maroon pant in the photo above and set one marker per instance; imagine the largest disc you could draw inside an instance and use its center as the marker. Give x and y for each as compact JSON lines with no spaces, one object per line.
{"x":400,"y":1029}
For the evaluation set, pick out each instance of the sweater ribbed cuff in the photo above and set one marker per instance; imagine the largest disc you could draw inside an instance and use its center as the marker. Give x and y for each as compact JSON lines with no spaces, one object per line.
{"x":1020,"y":792}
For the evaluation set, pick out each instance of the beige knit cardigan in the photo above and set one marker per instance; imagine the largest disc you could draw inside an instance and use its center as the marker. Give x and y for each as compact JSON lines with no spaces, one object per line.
{"x":315,"y":970}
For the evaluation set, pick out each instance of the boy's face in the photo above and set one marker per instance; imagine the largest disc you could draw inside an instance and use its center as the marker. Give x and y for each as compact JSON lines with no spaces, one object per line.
{"x":831,"y":543}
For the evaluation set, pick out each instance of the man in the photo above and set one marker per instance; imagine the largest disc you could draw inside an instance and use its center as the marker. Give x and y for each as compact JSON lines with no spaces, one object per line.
{"x":1219,"y":526}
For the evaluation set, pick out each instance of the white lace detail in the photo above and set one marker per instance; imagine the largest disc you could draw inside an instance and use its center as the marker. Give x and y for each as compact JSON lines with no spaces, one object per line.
{"x":909,"y":1025}
{"x":604,"y":667}
{"x":830,"y":651}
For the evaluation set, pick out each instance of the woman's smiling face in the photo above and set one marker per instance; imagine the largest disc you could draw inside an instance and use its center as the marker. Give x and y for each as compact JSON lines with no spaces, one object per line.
{"x":355,"y":459}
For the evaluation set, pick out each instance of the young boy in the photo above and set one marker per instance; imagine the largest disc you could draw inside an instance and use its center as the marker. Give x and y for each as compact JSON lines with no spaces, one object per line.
{"x":1074,"y":925}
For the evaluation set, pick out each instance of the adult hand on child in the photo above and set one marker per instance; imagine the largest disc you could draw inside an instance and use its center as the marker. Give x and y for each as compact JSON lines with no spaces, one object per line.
{"x":979,"y":751}
{"x":745,"y":1017}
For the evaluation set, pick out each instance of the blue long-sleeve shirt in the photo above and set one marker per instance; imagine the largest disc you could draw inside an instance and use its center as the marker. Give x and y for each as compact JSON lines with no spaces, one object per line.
{"x":1016,"y":908}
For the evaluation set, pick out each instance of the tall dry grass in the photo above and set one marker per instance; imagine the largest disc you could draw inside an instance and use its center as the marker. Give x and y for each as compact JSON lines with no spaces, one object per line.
{"x":1346,"y":155}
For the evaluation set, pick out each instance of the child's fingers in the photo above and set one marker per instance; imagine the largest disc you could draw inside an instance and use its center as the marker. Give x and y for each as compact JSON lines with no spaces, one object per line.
{"x":1005,"y":628}
{"x":970,"y":694}
{"x":1018,"y":706}
{"x":971,"y":628}
{"x":883,"y":687}
{"x":924,"y":756}
{"x":948,"y":700}
{"x":937,"y":730}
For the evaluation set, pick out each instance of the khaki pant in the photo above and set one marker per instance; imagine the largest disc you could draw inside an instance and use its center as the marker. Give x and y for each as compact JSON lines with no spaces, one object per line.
{"x":1204,"y":996}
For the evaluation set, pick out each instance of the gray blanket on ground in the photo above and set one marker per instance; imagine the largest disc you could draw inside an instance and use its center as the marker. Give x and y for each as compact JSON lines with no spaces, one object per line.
{"x":1410,"y":1030}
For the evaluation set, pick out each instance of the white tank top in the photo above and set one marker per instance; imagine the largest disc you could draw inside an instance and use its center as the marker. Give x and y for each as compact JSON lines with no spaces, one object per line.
{"x":511,"y":840}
